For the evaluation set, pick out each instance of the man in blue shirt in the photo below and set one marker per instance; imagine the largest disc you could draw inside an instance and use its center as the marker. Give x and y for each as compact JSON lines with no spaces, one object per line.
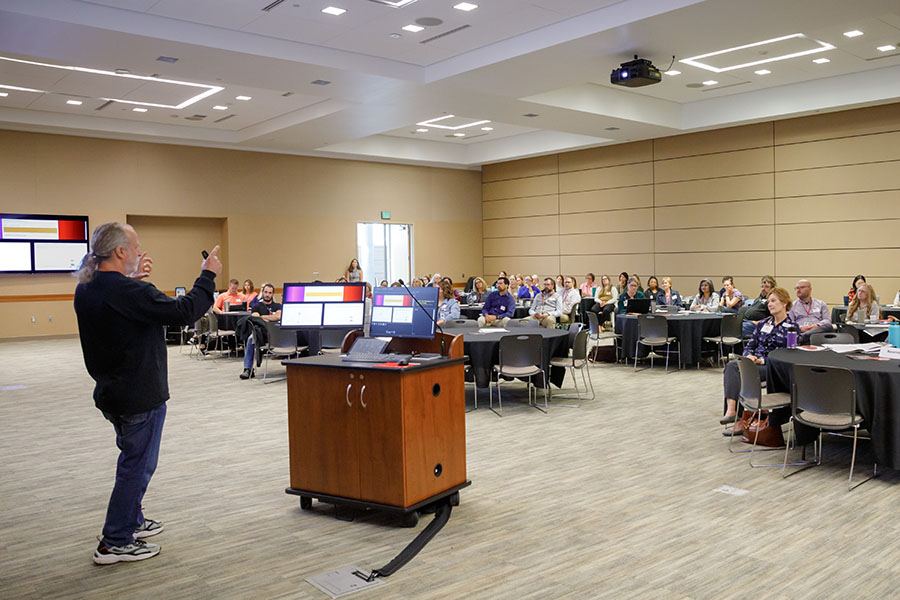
{"x":499,"y":307}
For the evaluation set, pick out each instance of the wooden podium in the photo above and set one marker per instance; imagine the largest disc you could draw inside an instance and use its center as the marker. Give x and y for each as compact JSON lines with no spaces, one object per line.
{"x":389,"y":438}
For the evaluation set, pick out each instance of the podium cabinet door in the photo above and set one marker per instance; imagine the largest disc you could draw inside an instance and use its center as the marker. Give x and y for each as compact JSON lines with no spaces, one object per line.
{"x":380,"y":438}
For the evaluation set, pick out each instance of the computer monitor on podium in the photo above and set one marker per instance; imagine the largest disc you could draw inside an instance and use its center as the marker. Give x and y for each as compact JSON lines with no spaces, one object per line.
{"x":396,"y":314}
{"x":321,"y":305}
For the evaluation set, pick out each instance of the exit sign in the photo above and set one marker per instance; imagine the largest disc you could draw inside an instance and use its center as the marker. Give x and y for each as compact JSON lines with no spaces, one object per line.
{"x":386,"y":215}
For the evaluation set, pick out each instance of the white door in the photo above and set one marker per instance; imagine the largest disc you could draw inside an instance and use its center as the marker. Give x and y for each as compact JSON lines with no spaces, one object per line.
{"x":384,"y":251}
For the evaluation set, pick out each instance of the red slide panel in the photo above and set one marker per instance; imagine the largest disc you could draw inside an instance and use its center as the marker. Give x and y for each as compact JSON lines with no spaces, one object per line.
{"x":353,"y":293}
{"x":72,"y":230}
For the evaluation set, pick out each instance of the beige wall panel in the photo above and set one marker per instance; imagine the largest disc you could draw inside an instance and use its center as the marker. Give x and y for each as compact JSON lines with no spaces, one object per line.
{"x":842,"y":151}
{"x":824,"y":236}
{"x":725,"y":189}
{"x":539,"y":245}
{"x":841,"y":207}
{"x":521,"y":226}
{"x":832,"y":289}
{"x":594,"y":200}
{"x":836,"y":180}
{"x":729,"y":214}
{"x":542,"y":265}
{"x":606,"y":264}
{"x":51,"y":318}
{"x":614,"y":220}
{"x":699,"y":263}
{"x":529,"y":167}
{"x":861,"y":121}
{"x":521,"y":207}
{"x":823,"y":263}
{"x":726,"y":164}
{"x":635,"y":242}
{"x":608,"y":177}
{"x":718,"y":140}
{"x":606,"y":156}
{"x":754,"y":237}
{"x":520,"y":188}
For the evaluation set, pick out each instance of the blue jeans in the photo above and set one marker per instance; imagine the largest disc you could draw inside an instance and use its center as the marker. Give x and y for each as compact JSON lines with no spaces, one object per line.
{"x":249,"y":353}
{"x":137,"y":437}
{"x":747,"y":328}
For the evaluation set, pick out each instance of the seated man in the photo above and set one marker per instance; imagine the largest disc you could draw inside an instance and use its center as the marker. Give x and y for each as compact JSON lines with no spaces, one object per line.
{"x":499,"y":307}
{"x":232,"y":296}
{"x":267,"y":310}
{"x":759,"y":310}
{"x":570,"y":296}
{"x":810,"y":314}
{"x":546,"y":307}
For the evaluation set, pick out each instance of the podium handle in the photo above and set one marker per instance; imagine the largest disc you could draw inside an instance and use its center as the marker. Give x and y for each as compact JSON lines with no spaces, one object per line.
{"x":349,"y":385}
{"x":361,"y":392}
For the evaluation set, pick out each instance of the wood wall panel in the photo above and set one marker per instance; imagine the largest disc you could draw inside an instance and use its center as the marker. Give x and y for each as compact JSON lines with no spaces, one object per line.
{"x":844,"y":123}
{"x":725,"y":189}
{"x":606,"y":156}
{"x":608,"y":177}
{"x":521,"y":226}
{"x":819,"y":263}
{"x":607,"y":264}
{"x":520,"y":188}
{"x":842,"y":151}
{"x":708,"y":142}
{"x":750,"y":212}
{"x":542,"y":245}
{"x":752,"y":237}
{"x":823,"y":236}
{"x":838,"y":180}
{"x":529,"y":167}
{"x":594,"y":200}
{"x":616,"y":220}
{"x":542,"y":265}
{"x":521,"y":207}
{"x":739,"y":162}
{"x":704,"y":263}
{"x":606,"y":243}
{"x":840,"y":207}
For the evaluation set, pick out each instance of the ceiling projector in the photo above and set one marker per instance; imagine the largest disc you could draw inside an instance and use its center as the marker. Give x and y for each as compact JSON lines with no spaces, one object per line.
{"x":635,"y":73}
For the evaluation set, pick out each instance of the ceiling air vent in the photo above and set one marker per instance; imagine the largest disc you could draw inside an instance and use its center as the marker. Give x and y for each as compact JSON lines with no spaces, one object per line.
{"x":445,"y":34}
{"x":225,"y":118}
{"x":272,"y":5}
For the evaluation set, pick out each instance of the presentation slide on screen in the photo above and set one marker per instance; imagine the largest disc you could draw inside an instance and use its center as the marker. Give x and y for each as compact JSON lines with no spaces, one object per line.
{"x":343,"y":314}
{"x":301,"y":315}
{"x":15,"y":256}
{"x":382,"y":314}
{"x":62,"y":256}
{"x":403,"y":315}
{"x":42,"y":229}
{"x":323,"y":293}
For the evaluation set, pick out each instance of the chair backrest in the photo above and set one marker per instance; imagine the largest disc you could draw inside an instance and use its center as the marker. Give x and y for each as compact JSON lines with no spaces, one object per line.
{"x":521,"y":350}
{"x":817,"y":339}
{"x":580,"y":346}
{"x":731,"y":325}
{"x":213,"y":321}
{"x":574,"y":330}
{"x":281,"y":337}
{"x":529,"y":323}
{"x":751,"y":389}
{"x":462,"y":323}
{"x":650,"y":325}
{"x":852,"y":331}
{"x":593,"y":323}
{"x":823,"y":390}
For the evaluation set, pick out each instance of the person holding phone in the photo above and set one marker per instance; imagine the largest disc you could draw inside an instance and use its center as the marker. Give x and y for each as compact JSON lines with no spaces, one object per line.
{"x":120,"y":319}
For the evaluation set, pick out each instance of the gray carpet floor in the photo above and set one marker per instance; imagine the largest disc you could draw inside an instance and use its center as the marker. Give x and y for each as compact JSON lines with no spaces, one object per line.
{"x":616,"y":499}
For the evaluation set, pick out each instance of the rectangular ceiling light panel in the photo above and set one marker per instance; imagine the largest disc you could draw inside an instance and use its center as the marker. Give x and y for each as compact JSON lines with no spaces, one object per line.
{"x":182,"y":93}
{"x":451,"y":122}
{"x":758,"y":53}
{"x":394,"y":3}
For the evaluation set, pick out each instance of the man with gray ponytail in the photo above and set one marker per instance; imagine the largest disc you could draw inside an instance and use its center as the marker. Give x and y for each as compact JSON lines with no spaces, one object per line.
{"x":120,"y":322}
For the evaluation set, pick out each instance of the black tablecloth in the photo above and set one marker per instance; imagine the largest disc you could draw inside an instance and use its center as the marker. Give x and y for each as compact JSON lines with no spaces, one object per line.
{"x":474,"y":311}
{"x":228,"y":320}
{"x":877,"y":394}
{"x":483,"y":350}
{"x":689,"y":328}
{"x":839,"y":312}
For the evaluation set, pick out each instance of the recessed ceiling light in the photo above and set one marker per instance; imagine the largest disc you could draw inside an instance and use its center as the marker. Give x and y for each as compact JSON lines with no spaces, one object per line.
{"x":466,"y":6}
{"x":74,"y":102}
{"x":220,"y":107}
{"x":459,"y":134}
{"x":3,"y":94}
{"x":334,"y":10}
{"x":762,"y":72}
{"x":611,"y":128}
{"x":433,"y":123}
{"x":886,"y":48}
{"x":695,"y":60}
{"x":487,"y":128}
{"x":320,"y":82}
{"x":853,"y":33}
{"x":394,"y":35}
{"x":243,"y":97}
{"x":821,"y":61}
{"x":710,"y":82}
{"x":168,"y":59}
{"x":672,"y":72}
{"x":421,"y":130}
{"x":412,"y":28}
{"x":139,"y":109}
{"x":530,"y":115}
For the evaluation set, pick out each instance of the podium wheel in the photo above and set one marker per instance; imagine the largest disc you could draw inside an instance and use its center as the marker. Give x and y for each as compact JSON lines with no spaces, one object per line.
{"x":305,"y":502}
{"x":454,"y":499}
{"x":411,"y":519}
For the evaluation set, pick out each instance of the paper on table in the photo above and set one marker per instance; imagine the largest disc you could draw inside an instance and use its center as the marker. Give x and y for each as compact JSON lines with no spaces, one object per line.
{"x":890,"y":352}
{"x":491,"y":329}
{"x":847,"y":348}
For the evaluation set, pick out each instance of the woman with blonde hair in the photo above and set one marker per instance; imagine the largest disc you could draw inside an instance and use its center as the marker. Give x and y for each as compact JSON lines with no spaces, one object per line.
{"x":863,"y":306}
{"x":605,"y":300}
{"x":479,"y":291}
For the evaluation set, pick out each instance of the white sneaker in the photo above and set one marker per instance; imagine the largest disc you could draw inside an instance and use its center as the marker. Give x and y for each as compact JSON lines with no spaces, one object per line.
{"x":138,"y":550}
{"x":148,"y":528}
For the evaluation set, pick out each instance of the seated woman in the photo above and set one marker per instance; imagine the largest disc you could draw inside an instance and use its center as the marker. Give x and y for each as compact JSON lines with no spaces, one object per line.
{"x":770,"y":333}
{"x":250,"y":295}
{"x":652,"y":290}
{"x":863,"y":307}
{"x":667,"y":296}
{"x":448,"y":309}
{"x":897,"y":299}
{"x":623,"y":282}
{"x":560,"y":283}
{"x":706,"y":299}
{"x":640,"y":285}
{"x":526,"y":290}
{"x":605,"y":300}
{"x":535,"y":285}
{"x":631,"y":292}
{"x":855,"y":284}
{"x":587,"y":286}
{"x":479,"y":291}
{"x":417,"y":282}
{"x":731,"y":299}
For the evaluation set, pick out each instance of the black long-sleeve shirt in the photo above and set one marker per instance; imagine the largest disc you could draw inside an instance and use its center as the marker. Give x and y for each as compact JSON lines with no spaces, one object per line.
{"x":120,"y":322}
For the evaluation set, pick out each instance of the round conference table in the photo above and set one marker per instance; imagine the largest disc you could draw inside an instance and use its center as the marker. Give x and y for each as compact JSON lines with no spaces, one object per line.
{"x":877,"y":394}
{"x":688,"y":327}
{"x":483,"y":350}
{"x":839,"y":312}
